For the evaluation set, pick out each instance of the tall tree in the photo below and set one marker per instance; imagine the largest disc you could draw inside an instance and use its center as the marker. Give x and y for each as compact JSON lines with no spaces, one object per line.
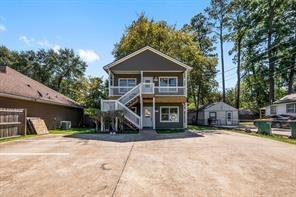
{"x":219,"y":13}
{"x":238,"y":28}
{"x":202,"y":81}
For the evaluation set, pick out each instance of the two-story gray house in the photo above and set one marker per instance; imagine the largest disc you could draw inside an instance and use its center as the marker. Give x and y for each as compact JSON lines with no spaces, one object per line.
{"x":150,"y":88}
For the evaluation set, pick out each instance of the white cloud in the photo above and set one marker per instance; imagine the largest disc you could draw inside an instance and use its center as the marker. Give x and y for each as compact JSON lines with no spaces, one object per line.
{"x":56,"y":48}
{"x":88,"y":55}
{"x":2,"y":28}
{"x":26,"y":40}
{"x":43,"y":43}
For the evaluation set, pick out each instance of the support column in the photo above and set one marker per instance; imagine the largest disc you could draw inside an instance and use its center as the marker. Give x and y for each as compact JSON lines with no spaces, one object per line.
{"x":153,"y":112}
{"x":185,"y":115}
{"x":185,"y":84}
{"x":142,"y":74}
{"x":102,"y":124}
{"x":109,"y":88}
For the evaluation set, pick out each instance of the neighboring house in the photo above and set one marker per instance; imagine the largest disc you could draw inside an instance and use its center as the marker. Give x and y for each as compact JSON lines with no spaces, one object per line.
{"x":286,"y":105}
{"x":218,"y":113}
{"x":20,"y":91}
{"x":150,"y":88}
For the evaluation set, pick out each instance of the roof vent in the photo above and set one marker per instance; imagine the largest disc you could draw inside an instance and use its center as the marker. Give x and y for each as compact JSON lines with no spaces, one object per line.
{"x":2,"y":69}
{"x":29,"y":85}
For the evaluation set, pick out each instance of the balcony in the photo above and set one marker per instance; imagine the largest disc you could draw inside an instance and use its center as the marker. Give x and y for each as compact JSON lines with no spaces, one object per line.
{"x":149,"y":88}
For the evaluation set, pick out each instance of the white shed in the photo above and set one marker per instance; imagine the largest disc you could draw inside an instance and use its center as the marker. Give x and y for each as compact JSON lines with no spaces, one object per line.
{"x":218,"y":113}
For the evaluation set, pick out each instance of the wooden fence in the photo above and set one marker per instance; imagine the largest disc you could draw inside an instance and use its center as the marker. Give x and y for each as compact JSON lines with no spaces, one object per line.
{"x":12,"y":122}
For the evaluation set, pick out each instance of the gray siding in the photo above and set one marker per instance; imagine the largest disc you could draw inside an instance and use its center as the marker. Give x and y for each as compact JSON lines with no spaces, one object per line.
{"x":147,"y":60}
{"x":150,"y":74}
{"x":164,"y":125}
{"x":118,"y":76}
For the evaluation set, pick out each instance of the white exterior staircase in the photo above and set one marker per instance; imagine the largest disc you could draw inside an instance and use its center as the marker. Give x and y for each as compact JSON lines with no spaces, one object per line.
{"x":122,"y":103}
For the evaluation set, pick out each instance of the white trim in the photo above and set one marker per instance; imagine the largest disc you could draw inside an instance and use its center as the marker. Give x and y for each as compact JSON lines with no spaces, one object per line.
{"x":107,"y":67}
{"x":153,"y":109}
{"x":127,"y":84}
{"x":178,"y":117}
{"x":168,"y":77}
{"x":142,"y":74}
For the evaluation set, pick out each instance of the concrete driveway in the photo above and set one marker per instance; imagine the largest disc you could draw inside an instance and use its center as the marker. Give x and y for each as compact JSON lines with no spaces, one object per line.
{"x":186,"y":164}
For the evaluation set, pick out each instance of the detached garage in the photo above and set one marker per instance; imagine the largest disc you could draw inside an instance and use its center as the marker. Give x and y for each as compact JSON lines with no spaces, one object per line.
{"x":218,"y":113}
{"x":20,"y":91}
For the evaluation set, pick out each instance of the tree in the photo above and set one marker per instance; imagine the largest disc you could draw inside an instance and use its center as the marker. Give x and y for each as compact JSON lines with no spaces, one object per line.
{"x":181,"y":44}
{"x":201,"y":79}
{"x":219,"y":13}
{"x":238,"y":28}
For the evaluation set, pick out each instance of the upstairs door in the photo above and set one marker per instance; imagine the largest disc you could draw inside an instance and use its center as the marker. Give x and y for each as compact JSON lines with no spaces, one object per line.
{"x":148,"y":87}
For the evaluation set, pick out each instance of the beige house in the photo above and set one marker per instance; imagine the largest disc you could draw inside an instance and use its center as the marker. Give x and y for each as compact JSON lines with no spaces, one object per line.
{"x":150,"y":88}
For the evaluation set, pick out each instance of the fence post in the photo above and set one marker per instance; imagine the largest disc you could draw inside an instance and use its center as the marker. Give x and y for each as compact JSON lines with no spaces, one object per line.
{"x":25,"y":121}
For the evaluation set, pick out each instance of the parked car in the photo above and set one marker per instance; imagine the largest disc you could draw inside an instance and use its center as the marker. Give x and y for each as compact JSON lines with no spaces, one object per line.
{"x":281,"y":120}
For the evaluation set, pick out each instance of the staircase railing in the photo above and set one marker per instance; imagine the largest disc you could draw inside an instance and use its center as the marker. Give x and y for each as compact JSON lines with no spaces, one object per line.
{"x":130,"y":95}
{"x":130,"y":115}
{"x":112,"y":105}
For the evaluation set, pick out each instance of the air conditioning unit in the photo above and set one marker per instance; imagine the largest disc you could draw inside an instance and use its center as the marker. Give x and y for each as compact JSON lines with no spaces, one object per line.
{"x":65,"y":125}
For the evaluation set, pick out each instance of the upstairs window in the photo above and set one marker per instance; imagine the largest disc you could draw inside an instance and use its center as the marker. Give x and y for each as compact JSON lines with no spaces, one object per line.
{"x":272,"y":110}
{"x":126,"y":84}
{"x":168,"y":84}
{"x":291,"y":108}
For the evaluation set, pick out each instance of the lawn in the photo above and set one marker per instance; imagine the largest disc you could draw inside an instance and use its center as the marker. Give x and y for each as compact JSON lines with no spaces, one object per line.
{"x":73,"y":131}
{"x":200,"y":128}
{"x":56,"y":131}
{"x":168,"y":131}
{"x":247,"y":123}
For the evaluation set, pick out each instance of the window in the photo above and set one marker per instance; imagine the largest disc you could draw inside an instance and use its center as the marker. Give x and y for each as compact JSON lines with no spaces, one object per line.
{"x":126,"y":84}
{"x":168,"y":84}
{"x":272,"y":109}
{"x":213,"y":115}
{"x":169,"y":114}
{"x":291,"y":108}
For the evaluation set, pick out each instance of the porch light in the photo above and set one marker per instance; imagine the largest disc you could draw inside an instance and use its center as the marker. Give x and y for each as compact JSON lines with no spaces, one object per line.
{"x":155,"y":79}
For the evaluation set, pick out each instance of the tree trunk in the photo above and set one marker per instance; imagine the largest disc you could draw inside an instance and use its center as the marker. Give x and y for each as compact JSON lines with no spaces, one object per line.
{"x":198,"y":102}
{"x":238,"y":73}
{"x":222,"y":61}
{"x":269,"y":47}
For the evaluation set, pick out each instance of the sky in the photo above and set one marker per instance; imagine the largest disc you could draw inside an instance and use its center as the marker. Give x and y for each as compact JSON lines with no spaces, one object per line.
{"x":91,"y":27}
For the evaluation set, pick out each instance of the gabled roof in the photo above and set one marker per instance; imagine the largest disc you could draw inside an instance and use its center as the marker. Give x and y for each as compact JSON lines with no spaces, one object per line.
{"x":16,"y":85}
{"x":108,"y":66}
{"x":209,"y":105}
{"x":287,"y":99}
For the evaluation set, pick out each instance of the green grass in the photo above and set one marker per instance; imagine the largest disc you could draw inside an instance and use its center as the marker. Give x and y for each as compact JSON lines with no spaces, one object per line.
{"x":275,"y":137}
{"x":17,"y":138}
{"x":200,"y":128}
{"x":168,"y":131}
{"x":247,"y":123}
{"x":73,"y":131}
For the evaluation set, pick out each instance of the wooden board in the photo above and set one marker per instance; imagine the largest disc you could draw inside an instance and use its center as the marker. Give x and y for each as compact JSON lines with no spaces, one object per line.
{"x":38,"y":126}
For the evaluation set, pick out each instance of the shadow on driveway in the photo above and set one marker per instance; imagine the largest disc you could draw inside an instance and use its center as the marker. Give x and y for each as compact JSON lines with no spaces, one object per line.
{"x":139,"y":137}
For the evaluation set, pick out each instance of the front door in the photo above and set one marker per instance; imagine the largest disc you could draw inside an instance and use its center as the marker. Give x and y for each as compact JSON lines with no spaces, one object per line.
{"x":229,"y":118}
{"x":148,"y":88}
{"x":147,"y":117}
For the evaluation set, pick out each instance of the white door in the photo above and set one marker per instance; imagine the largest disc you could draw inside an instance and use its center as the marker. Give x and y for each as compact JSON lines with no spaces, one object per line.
{"x":229,"y":118}
{"x":147,"y":117}
{"x":148,"y":88}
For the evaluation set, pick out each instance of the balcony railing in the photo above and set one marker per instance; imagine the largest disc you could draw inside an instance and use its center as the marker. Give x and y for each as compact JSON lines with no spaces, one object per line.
{"x":149,"y":88}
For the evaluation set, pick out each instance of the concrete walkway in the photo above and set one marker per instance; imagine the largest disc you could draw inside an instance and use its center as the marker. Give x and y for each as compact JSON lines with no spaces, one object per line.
{"x":184,"y":164}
